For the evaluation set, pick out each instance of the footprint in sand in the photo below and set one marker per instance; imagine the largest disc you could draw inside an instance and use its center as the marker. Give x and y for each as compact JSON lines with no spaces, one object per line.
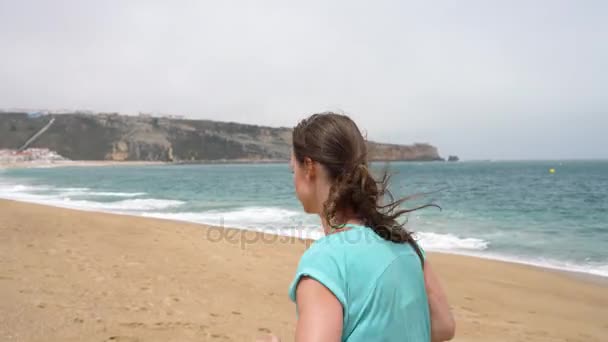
{"x":133,"y":324}
{"x":177,"y":324}
{"x":123,"y":339}
{"x":218,"y":336}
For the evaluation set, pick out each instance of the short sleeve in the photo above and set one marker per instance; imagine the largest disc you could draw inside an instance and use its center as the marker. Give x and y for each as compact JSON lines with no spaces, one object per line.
{"x":324,"y":267}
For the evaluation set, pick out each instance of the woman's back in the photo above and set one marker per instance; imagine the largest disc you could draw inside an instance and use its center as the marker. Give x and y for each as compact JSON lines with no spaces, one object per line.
{"x":379,"y":283}
{"x":360,"y":283}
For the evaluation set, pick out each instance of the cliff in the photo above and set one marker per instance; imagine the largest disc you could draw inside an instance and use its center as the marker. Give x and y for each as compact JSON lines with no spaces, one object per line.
{"x":419,"y":152}
{"x":120,"y":137}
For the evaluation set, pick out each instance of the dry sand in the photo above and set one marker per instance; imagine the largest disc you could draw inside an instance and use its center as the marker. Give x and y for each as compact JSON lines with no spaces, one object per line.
{"x":68,"y":275}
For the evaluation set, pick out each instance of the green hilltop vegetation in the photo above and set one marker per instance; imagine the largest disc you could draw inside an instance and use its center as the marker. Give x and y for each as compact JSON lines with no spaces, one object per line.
{"x":122,"y":137}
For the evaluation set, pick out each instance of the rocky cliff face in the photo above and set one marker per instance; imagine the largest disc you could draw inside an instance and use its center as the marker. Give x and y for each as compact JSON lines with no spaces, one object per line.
{"x":420,"y":152}
{"x":119,"y":137}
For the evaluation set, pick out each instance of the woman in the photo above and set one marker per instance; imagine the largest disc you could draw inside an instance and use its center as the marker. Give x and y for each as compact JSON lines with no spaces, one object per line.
{"x":367,"y":279}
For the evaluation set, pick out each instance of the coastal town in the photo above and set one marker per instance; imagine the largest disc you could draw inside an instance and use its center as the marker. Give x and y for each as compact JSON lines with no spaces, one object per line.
{"x":39,"y":156}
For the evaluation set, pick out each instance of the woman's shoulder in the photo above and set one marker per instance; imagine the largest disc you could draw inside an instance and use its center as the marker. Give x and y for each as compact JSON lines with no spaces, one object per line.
{"x":323,"y":261}
{"x":343,"y":246}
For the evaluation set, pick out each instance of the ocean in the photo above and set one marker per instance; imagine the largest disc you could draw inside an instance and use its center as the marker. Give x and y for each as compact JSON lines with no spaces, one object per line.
{"x":512,"y":211}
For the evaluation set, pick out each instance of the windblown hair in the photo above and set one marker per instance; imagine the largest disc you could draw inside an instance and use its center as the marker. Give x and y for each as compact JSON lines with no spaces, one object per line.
{"x":334,"y":141}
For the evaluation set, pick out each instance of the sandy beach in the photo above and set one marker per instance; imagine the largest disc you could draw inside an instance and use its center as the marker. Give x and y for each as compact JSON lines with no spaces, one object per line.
{"x":69,"y":275}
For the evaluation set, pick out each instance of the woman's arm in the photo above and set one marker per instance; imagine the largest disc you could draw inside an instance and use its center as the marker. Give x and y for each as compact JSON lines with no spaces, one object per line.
{"x":319,"y":313}
{"x":443,"y":326}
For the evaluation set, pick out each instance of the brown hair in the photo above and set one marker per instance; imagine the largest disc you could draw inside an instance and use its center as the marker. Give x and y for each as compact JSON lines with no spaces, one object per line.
{"x":335,"y":141}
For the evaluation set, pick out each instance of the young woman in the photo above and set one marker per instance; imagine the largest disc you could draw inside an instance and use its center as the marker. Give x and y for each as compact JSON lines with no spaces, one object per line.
{"x":367,"y":279}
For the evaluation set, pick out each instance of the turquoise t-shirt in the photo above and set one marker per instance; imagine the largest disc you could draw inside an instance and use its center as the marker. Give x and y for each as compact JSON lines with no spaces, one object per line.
{"x":380,"y":285}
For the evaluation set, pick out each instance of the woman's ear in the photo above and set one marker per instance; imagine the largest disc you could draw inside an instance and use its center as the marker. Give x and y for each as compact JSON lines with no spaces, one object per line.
{"x":310,"y":168}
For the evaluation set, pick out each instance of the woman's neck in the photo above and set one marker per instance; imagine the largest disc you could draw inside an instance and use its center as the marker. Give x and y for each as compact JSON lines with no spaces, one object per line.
{"x":341,"y":220}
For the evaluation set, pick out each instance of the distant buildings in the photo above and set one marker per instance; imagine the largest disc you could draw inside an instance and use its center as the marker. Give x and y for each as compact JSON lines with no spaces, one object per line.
{"x":171,"y":116}
{"x":34,"y":113}
{"x":30,"y":155}
{"x":160,"y":115}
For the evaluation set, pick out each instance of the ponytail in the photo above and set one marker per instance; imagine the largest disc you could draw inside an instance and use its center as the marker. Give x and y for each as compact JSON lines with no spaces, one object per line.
{"x":358,"y":190}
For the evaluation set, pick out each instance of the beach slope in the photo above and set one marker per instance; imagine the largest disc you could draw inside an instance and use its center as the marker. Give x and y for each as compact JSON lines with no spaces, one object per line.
{"x":69,"y":275}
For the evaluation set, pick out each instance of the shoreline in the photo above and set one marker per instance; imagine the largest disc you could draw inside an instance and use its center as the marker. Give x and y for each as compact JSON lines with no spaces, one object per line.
{"x":78,"y":163}
{"x":581,"y":275}
{"x":601,"y":278}
{"x":63,"y":163}
{"x":104,"y":163}
{"x":70,"y":274}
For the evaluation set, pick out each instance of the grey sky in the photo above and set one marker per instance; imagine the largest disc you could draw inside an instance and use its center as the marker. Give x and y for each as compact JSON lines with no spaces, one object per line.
{"x":481,"y":79}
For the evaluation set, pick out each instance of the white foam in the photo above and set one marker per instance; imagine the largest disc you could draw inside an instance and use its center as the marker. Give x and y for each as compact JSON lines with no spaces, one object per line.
{"x":449,"y":242}
{"x":270,"y":220}
{"x":62,"y":192}
{"x":248,"y":217}
{"x":452,"y":244}
{"x":19,"y":188}
{"x":86,"y":192}
{"x":74,"y":189}
{"x":598,"y":269}
{"x":28,"y":193}
{"x":140,"y":204}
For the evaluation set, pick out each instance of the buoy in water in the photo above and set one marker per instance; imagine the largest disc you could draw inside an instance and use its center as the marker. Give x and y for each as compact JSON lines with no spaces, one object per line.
{"x":551,"y":170}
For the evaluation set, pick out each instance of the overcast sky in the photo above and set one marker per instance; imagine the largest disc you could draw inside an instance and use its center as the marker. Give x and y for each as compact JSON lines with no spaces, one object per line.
{"x":480,"y":79}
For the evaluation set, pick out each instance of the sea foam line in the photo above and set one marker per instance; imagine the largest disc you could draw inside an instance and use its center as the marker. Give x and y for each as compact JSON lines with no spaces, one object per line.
{"x":31,"y":194}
